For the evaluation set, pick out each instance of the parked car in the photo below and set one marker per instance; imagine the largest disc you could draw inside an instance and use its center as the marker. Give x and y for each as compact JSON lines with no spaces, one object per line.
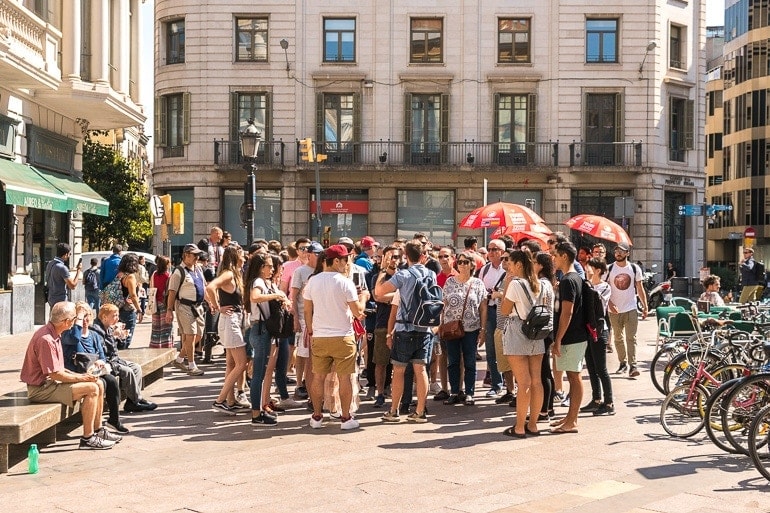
{"x":101,"y":255}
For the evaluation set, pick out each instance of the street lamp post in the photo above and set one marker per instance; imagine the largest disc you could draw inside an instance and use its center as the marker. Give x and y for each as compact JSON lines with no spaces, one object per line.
{"x":250,"y":139}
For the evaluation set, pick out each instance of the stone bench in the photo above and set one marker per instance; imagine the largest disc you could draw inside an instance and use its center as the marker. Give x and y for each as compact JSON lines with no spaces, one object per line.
{"x":21,"y":420}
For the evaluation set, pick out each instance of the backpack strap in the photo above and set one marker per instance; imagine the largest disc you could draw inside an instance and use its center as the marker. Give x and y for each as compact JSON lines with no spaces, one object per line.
{"x":484,"y":270}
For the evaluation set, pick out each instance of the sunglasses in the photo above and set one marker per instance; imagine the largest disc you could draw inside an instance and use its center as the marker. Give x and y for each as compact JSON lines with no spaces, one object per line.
{"x":463,"y":262}
{"x":443,"y":256}
{"x":303,"y":248}
{"x":395,"y":257}
{"x":505,"y":259}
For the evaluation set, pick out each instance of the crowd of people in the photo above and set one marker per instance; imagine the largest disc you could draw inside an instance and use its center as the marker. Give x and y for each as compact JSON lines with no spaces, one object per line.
{"x":352,"y":307}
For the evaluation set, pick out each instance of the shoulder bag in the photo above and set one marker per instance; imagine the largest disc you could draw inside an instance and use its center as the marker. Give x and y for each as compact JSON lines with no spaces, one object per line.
{"x":152,"y":292}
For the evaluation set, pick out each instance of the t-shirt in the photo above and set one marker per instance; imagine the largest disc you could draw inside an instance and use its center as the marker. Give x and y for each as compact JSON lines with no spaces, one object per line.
{"x":159,"y":281}
{"x":570,"y":289}
{"x":288,"y":273}
{"x":330,"y":293}
{"x":44,"y":355}
{"x":364,"y":262}
{"x":623,"y":287}
{"x":192,"y":287}
{"x":490,"y":276}
{"x":298,"y":281}
{"x":404,"y":283}
{"x":260,"y":311}
{"x":57,"y":286}
{"x":454,"y":299}
{"x":521,"y":301}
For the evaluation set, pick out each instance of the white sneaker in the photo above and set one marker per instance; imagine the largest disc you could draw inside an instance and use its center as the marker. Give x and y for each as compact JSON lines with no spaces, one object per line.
{"x":316,"y":424}
{"x":351,"y":423}
{"x":242,"y":398}
{"x":435,"y":388}
{"x":289,"y":403}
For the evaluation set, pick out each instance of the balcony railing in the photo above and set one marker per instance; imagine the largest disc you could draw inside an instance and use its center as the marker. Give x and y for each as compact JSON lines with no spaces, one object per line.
{"x":228,"y":153}
{"x":605,"y":154}
{"x":28,"y":40}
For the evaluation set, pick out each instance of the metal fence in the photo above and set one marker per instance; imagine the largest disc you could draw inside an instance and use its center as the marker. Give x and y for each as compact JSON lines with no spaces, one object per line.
{"x":605,"y":154}
{"x":229,"y":153}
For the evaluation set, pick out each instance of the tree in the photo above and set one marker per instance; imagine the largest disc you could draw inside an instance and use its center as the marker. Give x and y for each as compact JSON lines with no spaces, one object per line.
{"x":111,"y":175}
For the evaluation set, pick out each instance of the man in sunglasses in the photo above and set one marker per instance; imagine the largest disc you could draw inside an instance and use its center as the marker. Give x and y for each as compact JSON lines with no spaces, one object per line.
{"x":492,"y":274}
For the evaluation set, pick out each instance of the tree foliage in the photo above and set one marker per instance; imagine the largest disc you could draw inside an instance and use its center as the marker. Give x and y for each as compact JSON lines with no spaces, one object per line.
{"x":111,"y":175}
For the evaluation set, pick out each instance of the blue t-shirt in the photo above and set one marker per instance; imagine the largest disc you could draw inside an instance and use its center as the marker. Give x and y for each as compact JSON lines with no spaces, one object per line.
{"x":58,"y":273}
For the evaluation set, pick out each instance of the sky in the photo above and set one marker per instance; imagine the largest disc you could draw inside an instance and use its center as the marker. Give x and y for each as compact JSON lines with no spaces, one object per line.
{"x":715,"y":12}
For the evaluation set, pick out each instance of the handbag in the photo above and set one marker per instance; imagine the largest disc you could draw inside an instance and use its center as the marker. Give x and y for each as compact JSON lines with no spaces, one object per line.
{"x":452,"y":330}
{"x":358,"y":328}
{"x":82,"y":361}
{"x":152,"y":301}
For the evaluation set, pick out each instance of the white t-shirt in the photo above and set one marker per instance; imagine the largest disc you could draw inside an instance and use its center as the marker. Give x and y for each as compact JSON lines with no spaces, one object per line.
{"x":260,"y":311}
{"x":623,"y":287}
{"x":521,"y":301}
{"x":330,"y":293}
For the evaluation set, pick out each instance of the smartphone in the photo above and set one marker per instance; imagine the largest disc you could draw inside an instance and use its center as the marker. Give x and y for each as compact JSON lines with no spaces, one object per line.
{"x":80,"y":261}
{"x":357,"y":280}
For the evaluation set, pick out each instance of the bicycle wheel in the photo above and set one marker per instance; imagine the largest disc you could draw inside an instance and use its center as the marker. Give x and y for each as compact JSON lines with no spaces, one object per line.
{"x":759,"y":441}
{"x":658,"y":366}
{"x":724,"y":374}
{"x":713,"y":416}
{"x":681,"y":411}
{"x":741,"y":405}
{"x":680,"y":370}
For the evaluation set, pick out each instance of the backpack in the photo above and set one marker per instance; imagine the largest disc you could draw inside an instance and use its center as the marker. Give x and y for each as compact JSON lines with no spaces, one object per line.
{"x":593,"y":308}
{"x":427,"y":302}
{"x":759,"y":272}
{"x":539,"y":321}
{"x":91,"y":280}
{"x":113,"y":293}
{"x":280,"y":323}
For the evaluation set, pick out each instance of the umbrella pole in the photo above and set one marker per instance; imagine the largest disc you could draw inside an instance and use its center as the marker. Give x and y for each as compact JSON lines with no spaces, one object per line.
{"x":484,"y":200}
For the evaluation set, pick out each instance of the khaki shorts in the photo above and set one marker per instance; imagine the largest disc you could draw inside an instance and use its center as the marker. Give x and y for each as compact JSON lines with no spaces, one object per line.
{"x":188,"y":323}
{"x":502,"y":360}
{"x":571,"y":359}
{"x":334,"y":350}
{"x":51,"y":392}
{"x":381,"y":354}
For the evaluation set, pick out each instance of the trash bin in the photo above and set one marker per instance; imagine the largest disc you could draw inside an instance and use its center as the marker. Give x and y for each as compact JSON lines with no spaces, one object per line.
{"x":680,"y":286}
{"x":696,"y":286}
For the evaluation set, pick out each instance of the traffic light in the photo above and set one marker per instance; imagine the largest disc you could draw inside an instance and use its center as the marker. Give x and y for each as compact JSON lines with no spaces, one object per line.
{"x":166,"y":201}
{"x":177,"y":224}
{"x":307,"y":150}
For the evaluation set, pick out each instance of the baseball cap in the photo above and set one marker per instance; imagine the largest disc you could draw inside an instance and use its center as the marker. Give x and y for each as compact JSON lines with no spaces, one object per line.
{"x":496,"y":243}
{"x":337,"y":251}
{"x":346,"y":241}
{"x":368,"y":242}
{"x":192,"y":248}
{"x":315,"y":248}
{"x":623,"y":246}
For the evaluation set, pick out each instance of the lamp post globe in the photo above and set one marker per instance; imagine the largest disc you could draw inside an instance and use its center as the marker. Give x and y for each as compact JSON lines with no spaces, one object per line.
{"x":250,"y":139}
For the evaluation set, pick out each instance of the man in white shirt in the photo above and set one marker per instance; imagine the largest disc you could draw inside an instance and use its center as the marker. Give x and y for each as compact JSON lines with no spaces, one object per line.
{"x":491,"y":274}
{"x":331,"y":301}
{"x":625,"y":281}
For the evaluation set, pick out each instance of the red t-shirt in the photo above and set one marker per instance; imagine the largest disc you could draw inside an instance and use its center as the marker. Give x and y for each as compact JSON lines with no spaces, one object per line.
{"x":159,"y":281}
{"x":44,"y":356}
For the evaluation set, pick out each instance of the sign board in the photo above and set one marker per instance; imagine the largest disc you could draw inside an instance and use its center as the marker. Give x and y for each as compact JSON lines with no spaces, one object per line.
{"x":713,"y":209}
{"x":750,"y":233}
{"x":690,"y":210}
{"x":624,"y":206}
{"x":734,"y":235}
{"x":704,"y":273}
{"x":157,"y":209}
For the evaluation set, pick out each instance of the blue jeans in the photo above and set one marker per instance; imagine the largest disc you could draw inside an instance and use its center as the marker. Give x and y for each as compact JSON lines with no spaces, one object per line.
{"x":94,"y":301}
{"x":489,"y":345}
{"x":281,"y":362}
{"x":466,"y":348}
{"x":259,"y":339}
{"x":128,"y":317}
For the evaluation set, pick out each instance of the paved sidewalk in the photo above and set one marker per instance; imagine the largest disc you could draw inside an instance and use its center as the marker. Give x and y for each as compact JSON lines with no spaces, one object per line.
{"x":185,"y":457}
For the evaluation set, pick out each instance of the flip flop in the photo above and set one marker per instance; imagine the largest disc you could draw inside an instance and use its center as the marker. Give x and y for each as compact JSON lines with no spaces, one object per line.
{"x":530,"y":432}
{"x":557,"y":422}
{"x":562,"y":430}
{"x":513,"y":434}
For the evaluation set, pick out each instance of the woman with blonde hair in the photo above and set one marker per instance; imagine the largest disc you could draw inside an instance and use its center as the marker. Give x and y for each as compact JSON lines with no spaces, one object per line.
{"x":524,"y":354}
{"x":225,"y":295}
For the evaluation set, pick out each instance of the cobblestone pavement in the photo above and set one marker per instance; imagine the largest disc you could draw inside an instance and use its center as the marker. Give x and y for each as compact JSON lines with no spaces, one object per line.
{"x":186,"y":457}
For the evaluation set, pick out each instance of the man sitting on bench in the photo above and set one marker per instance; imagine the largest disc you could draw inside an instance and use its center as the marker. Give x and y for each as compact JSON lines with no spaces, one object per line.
{"x":48,"y":381}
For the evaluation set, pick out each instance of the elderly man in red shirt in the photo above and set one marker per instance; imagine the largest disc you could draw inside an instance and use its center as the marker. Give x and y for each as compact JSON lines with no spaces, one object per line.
{"x":49,"y":382}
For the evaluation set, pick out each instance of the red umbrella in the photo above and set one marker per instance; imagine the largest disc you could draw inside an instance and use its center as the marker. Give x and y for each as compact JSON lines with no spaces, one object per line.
{"x":541,"y":237}
{"x":499,"y":214}
{"x":599,"y":227}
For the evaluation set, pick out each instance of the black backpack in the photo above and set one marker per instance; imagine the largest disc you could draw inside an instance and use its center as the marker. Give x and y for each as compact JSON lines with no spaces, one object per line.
{"x":539,"y":322}
{"x":593,"y":307}
{"x":759,"y":272}
{"x":280,"y":323}
{"x":427,"y":301}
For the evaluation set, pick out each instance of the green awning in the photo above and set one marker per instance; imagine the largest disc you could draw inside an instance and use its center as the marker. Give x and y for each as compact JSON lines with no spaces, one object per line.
{"x":80,"y":197}
{"x":24,"y":186}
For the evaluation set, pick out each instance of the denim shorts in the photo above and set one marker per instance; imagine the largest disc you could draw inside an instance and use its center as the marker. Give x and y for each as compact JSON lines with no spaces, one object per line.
{"x":411,"y":346}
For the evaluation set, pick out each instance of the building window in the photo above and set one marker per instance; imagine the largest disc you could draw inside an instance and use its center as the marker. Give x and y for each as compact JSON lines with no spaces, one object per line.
{"x":676,"y":47}
{"x":172,"y":123}
{"x":244,"y":108}
{"x":251,"y":39}
{"x":338,"y":126}
{"x":344,"y":211}
{"x":431,"y":212}
{"x":515,"y":126}
{"x":513,"y":40}
{"x":267,"y":214}
{"x":601,"y":40}
{"x":427,"y":40}
{"x":339,"y":40}
{"x":427,"y":127}
{"x":8,"y":132}
{"x":603,"y":128}
{"x":175,"y":42}
{"x":680,"y":128}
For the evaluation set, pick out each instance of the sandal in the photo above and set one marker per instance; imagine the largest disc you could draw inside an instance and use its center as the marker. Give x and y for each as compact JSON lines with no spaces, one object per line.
{"x":511,"y":431}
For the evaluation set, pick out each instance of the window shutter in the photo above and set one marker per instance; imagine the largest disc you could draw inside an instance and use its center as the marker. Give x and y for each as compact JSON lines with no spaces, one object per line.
{"x":267,"y":133}
{"x":161,"y":126}
{"x":185,"y":118}
{"x":531,"y":117}
{"x":689,"y":122}
{"x":618,"y":117}
{"x":319,"y":118}
{"x":444,"y":128}
{"x":496,"y":128}
{"x":407,"y":128}
{"x":235,"y":119}
{"x":357,"y":117}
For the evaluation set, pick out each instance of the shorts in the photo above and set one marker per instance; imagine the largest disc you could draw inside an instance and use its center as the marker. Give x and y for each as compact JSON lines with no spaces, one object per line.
{"x":229,"y":328}
{"x":51,"y":392}
{"x":188,"y":323}
{"x":571,"y":359}
{"x":502,"y":361}
{"x":381,"y":355}
{"x":334,"y":350}
{"x":411,"y":347}
{"x":515,"y":343}
{"x":303,"y":342}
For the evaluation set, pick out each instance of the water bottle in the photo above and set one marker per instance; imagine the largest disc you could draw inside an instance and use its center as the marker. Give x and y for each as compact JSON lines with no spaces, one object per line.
{"x":33,"y":455}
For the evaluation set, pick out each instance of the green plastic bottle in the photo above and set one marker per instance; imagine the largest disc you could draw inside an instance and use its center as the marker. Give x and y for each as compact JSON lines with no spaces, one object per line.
{"x":33,"y":456}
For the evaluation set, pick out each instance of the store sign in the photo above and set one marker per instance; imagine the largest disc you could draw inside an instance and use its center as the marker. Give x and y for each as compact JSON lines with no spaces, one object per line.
{"x":341,"y":207}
